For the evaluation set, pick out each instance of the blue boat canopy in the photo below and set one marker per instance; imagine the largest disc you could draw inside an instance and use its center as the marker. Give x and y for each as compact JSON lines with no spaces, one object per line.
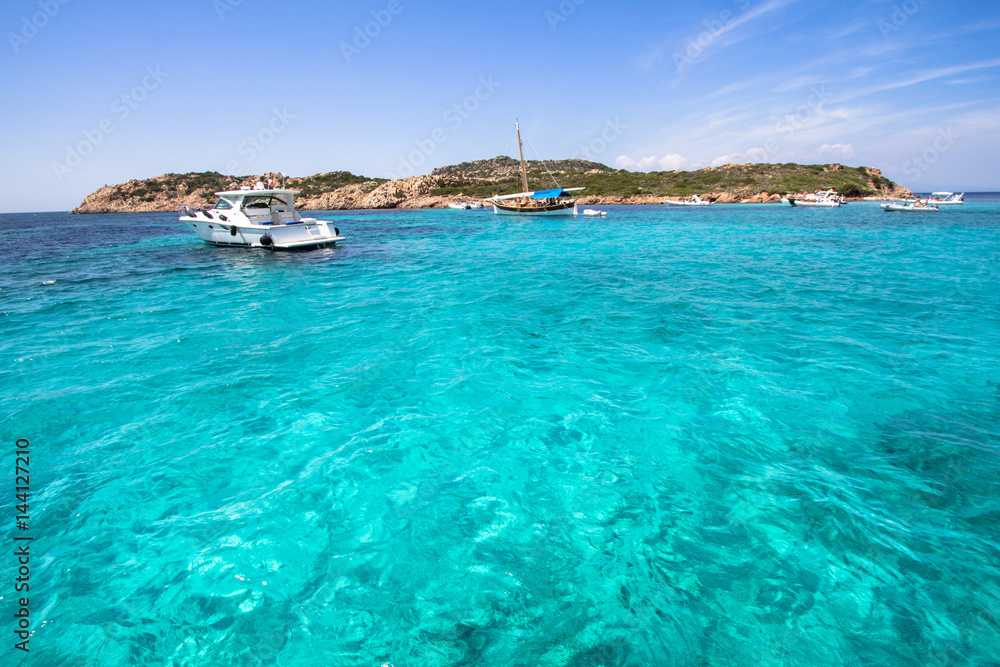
{"x":548,"y":194}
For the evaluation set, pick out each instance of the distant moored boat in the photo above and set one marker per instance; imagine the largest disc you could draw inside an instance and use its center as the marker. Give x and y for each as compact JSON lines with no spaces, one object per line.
{"x":946,"y":199}
{"x":693,"y":201}
{"x":909,"y":206}
{"x":822,"y":199}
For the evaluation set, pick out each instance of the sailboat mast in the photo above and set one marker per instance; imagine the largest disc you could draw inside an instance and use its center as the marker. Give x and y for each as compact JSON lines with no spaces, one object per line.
{"x":524,"y":174}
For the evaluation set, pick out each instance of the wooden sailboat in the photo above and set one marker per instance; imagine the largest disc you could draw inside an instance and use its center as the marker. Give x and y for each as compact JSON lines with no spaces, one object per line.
{"x":538,"y":202}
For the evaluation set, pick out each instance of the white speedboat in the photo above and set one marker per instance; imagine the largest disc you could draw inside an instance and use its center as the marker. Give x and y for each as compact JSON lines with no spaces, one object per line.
{"x":909,"y":206}
{"x":594,"y":213}
{"x":476,"y":205}
{"x":946,"y":199}
{"x":693,"y":201}
{"x":459,"y":206}
{"x":538,"y":202}
{"x":822,"y":199}
{"x":258,"y":218}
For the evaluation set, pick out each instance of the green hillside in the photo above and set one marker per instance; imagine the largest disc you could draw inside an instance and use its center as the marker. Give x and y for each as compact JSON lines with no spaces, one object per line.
{"x":311,"y":186}
{"x":749,"y":179}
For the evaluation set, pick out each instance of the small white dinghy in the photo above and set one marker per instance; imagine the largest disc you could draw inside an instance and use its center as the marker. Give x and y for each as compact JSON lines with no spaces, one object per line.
{"x":909,"y":207}
{"x":594,"y":213}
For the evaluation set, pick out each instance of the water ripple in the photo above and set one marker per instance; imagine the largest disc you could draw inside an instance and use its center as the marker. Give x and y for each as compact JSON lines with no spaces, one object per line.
{"x":748,"y":435}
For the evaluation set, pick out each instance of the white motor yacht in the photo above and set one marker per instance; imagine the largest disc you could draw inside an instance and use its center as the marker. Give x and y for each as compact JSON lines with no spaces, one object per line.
{"x":258,"y":218}
{"x":822,"y":199}
{"x":693,"y":201}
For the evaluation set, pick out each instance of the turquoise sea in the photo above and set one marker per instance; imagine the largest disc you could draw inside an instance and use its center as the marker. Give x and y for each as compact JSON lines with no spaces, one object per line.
{"x":742,"y":435}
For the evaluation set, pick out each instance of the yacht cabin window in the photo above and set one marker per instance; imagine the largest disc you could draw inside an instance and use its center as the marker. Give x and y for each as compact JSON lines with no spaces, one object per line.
{"x":223,"y":205}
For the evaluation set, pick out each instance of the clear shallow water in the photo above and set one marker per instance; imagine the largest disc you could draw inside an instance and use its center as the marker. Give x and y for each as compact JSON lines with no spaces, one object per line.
{"x":737,"y":436}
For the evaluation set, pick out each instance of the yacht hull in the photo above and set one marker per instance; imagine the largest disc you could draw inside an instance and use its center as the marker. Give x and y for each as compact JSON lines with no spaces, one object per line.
{"x":279,"y":237}
{"x":807,"y":203}
{"x":567,"y":208}
{"x":902,"y":208}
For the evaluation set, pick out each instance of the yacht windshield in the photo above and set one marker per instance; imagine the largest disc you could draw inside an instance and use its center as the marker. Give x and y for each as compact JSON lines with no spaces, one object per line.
{"x":263,"y":202}
{"x":222,"y":205}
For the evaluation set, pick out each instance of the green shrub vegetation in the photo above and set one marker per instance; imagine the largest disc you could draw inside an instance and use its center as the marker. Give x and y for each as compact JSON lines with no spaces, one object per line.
{"x":311,"y":186}
{"x":467,"y":179}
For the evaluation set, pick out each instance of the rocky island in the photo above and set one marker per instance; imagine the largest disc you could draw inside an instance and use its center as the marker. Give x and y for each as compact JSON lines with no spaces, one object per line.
{"x":341,"y":190}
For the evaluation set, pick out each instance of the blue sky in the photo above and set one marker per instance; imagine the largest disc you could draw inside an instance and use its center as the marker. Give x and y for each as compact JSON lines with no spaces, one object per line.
{"x":99,"y":92}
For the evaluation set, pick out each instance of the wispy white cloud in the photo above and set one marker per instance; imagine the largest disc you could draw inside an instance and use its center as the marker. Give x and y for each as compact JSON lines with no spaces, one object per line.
{"x":829,"y":134}
{"x":652,"y":163}
{"x":766,"y":8}
{"x":961,"y":31}
{"x":751,"y":156}
{"x":836,"y":151}
{"x":717,"y":27}
{"x":871,"y":109}
{"x":916,"y":41}
{"x":924,"y":77}
{"x":981,"y":122}
{"x":741,"y":86}
{"x":967,"y":80}
{"x":798,"y":83}
{"x":858,"y":26}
